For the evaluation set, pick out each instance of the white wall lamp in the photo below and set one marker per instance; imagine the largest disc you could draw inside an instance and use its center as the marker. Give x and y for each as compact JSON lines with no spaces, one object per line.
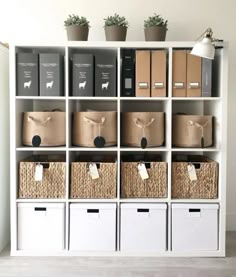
{"x":205,"y":48}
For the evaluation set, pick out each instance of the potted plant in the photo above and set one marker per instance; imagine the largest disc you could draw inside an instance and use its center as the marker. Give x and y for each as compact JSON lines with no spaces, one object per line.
{"x":77,"y":27}
{"x":155,"y":28}
{"x":116,"y":27}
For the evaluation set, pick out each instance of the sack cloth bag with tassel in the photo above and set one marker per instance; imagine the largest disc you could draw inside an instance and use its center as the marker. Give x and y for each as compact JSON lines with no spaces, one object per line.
{"x":46,"y":128}
{"x":192,"y":130}
{"x":95,"y":129}
{"x":142,"y":129}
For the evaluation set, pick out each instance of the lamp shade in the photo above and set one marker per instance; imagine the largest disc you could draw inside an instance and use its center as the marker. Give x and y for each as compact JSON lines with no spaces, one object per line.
{"x":204,"y":49}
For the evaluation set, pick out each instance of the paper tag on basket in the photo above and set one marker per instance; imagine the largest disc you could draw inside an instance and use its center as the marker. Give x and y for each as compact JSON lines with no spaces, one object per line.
{"x":192,"y":172}
{"x":143,"y":171}
{"x":38,"y":176}
{"x":93,"y":170}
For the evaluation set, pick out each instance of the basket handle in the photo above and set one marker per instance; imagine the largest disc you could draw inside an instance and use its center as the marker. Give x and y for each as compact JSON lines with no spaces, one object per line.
{"x":30,"y":118}
{"x":141,"y":125}
{"x":93,"y":122}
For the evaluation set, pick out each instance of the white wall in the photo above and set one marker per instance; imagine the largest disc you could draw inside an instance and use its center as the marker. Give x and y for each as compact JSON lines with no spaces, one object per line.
{"x":42,"y":20}
{"x":4,"y":150}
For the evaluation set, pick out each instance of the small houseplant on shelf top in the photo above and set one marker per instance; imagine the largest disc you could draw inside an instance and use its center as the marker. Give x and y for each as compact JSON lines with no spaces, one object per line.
{"x":155,"y":28}
{"x":77,"y":27}
{"x":115,"y":28}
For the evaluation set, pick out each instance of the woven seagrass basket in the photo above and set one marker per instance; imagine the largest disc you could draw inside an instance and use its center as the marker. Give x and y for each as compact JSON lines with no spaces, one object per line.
{"x":53,"y":184}
{"x":132,"y":185}
{"x":206,"y":185}
{"x":83,"y":186}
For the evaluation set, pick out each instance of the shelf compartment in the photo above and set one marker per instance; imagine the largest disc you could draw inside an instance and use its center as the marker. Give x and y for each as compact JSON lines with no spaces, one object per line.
{"x":144,"y":200}
{"x":196,"y":98}
{"x":41,"y":98}
{"x":41,"y":149}
{"x":85,"y":149}
{"x":92,"y":98}
{"x":47,"y":50}
{"x":201,"y":107}
{"x":82,"y":185}
{"x":96,"y":52}
{"x":40,"y":200}
{"x":89,"y":105}
{"x":33,"y":106}
{"x":93,"y":200}
{"x":122,"y":98}
{"x":209,"y":149}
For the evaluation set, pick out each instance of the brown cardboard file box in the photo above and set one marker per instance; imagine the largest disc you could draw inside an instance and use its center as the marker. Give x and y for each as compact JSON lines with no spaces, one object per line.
{"x":53,"y":182}
{"x":158,"y":73}
{"x":44,"y":128}
{"x":142,"y":69}
{"x":179,"y":71}
{"x":142,"y":129}
{"x":205,"y":186}
{"x":192,"y":130}
{"x":84,"y":186}
{"x":194,"y":76}
{"x":95,"y":129}
{"x":132,"y":184}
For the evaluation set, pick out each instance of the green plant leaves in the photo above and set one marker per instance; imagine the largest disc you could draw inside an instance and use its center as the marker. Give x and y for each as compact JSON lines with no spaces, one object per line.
{"x":116,"y":20}
{"x":155,"y":20}
{"x":76,"y":20}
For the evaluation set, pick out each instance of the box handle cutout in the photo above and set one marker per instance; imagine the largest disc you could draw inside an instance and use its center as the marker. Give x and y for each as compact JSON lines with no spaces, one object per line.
{"x":143,"y":210}
{"x":194,"y":210}
{"x":45,"y":165}
{"x":158,"y":85}
{"x":143,"y":85}
{"x":178,"y":85}
{"x":197,"y":165}
{"x":40,"y":209}
{"x":93,"y":211}
{"x":194,"y":85}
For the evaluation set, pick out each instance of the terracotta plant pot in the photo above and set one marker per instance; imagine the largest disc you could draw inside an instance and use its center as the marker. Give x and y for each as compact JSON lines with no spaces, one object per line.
{"x":155,"y":33}
{"x":115,"y":33}
{"x":75,"y":32}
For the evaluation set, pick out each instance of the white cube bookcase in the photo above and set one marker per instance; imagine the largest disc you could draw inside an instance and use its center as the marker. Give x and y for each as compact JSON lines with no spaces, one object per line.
{"x":216,"y":106}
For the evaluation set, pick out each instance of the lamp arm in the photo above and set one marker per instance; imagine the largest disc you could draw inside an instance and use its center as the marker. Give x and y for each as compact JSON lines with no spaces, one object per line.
{"x":207,"y":33}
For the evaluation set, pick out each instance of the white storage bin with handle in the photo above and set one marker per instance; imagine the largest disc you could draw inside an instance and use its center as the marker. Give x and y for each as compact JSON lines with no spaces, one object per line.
{"x":143,"y":227}
{"x":41,"y":226}
{"x":93,"y":227}
{"x":195,"y":227}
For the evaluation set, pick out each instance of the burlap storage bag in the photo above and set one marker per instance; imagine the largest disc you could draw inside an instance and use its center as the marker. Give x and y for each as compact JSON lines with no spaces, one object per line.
{"x":44,"y":128}
{"x":145,"y":129}
{"x":95,"y":129}
{"x":192,"y":130}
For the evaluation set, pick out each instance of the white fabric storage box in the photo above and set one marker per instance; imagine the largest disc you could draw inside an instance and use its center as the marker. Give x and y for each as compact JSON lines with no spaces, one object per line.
{"x":195,"y":227}
{"x":93,"y":227}
{"x":143,"y":227}
{"x":41,"y":226}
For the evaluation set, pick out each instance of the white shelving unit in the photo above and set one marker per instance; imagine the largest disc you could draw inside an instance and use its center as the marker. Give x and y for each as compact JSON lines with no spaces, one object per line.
{"x":217,"y":106}
{"x":4,"y":148}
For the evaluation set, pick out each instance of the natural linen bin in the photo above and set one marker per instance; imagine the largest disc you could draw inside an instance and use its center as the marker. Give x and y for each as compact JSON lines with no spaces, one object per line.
{"x":53,"y":184}
{"x":145,"y":129}
{"x":206,"y":185}
{"x":133,"y":186}
{"x":192,"y":130}
{"x":95,"y":129}
{"x":82,"y":184}
{"x":44,"y":128}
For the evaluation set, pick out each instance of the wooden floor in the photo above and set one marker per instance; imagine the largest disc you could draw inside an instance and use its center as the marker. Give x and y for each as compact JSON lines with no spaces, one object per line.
{"x":121,"y":267}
